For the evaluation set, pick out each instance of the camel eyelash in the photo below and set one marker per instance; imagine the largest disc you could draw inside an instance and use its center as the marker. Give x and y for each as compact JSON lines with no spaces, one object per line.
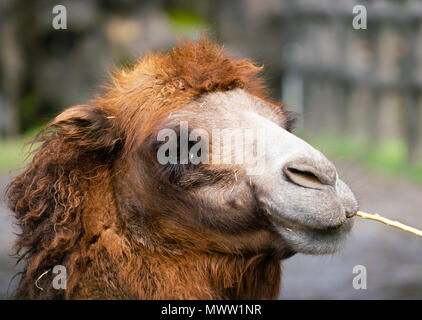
{"x":290,"y":119}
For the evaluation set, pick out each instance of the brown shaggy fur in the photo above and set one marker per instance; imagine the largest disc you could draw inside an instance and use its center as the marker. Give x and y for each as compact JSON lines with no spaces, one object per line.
{"x":93,"y":201}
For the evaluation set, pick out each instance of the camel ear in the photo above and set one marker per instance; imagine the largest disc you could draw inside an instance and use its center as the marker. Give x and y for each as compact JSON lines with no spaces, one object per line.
{"x":88,"y":127}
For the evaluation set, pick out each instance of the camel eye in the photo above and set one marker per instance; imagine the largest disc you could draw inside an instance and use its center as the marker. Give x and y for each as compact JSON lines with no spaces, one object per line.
{"x":181,"y":162}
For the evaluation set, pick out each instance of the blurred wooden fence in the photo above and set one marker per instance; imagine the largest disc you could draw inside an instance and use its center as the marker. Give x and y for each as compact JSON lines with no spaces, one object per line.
{"x":360,"y":83}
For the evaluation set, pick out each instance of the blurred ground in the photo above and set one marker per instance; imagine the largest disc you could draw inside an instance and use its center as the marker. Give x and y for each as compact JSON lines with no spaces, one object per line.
{"x":393,"y":258}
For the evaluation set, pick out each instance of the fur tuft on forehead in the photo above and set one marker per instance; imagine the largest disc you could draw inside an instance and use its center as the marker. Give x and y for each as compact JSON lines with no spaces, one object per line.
{"x":161,"y":83}
{"x":203,"y":67}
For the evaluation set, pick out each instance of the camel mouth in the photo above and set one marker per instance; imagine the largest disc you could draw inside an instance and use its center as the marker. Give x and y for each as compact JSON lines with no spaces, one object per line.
{"x":283,"y":221}
{"x":307,"y":238}
{"x":310,"y":220}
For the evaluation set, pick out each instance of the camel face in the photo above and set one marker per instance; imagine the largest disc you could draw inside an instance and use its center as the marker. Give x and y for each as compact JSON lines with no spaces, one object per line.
{"x":278,"y":178}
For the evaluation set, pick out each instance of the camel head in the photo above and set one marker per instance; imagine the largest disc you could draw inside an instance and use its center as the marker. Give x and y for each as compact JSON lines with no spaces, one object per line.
{"x":182,"y":180}
{"x":222,"y":171}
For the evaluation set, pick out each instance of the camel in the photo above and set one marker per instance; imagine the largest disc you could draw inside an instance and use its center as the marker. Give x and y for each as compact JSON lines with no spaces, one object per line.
{"x":96,"y":200}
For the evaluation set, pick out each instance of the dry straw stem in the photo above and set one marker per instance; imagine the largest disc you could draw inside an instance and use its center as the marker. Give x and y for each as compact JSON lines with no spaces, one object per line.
{"x":389,"y":222}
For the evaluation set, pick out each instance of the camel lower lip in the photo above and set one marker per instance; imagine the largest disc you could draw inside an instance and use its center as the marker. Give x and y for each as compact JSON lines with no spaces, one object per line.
{"x":281,"y":221}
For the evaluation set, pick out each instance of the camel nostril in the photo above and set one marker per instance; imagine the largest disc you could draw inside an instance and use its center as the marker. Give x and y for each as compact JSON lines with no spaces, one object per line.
{"x":303,"y":173}
{"x":303,"y":178}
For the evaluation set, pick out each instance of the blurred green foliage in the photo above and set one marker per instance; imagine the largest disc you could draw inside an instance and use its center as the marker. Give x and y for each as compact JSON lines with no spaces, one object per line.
{"x":12,"y":154}
{"x":15,"y":152}
{"x":184,"y":21}
{"x":389,"y":157}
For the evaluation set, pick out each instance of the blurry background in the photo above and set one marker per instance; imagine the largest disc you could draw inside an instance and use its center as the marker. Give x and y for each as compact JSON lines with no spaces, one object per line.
{"x":358,"y":93}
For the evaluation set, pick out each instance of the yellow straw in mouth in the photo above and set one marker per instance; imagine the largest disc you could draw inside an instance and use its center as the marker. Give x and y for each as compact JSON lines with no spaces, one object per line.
{"x":389,"y":222}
